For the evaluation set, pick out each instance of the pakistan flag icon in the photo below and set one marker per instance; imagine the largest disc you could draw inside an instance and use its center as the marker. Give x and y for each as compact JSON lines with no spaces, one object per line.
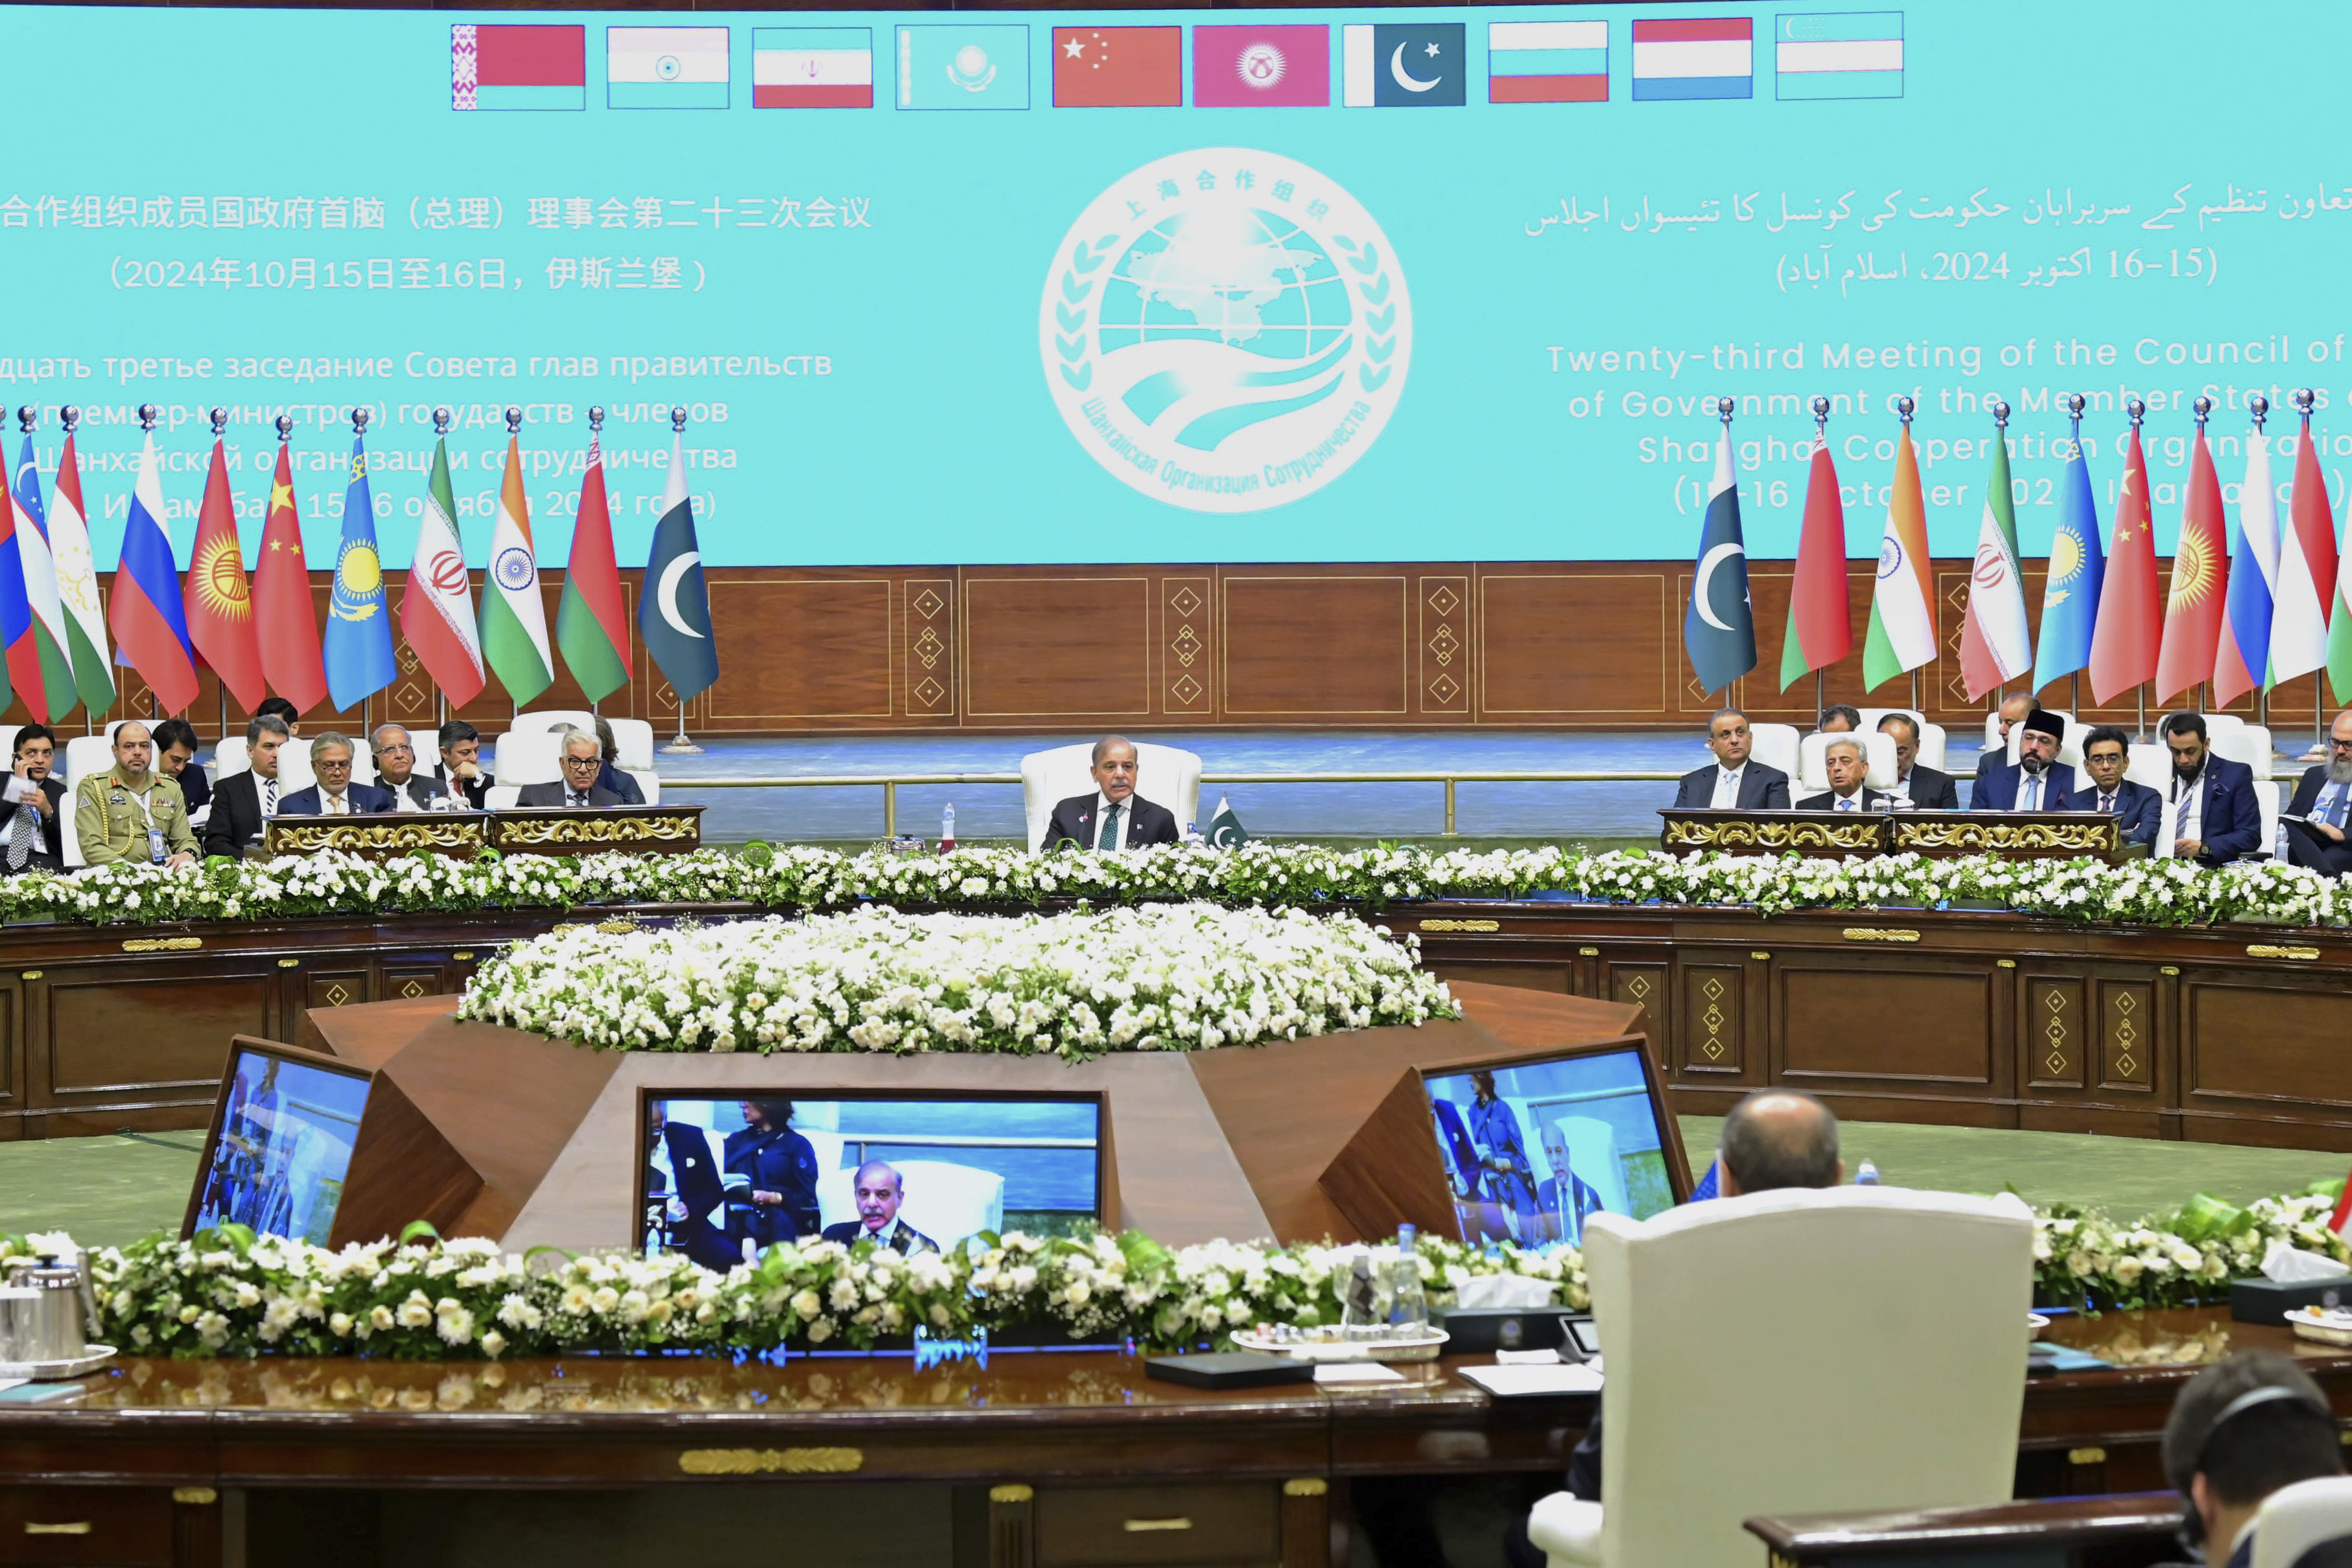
{"x":1225,"y":329}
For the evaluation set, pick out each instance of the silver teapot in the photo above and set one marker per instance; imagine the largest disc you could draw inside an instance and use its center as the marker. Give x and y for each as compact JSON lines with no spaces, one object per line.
{"x":48,"y":1311}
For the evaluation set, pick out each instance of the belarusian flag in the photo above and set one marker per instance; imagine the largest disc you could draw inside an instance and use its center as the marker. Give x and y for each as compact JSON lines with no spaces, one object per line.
{"x":437,"y":608}
{"x":514,"y":617}
{"x":591,"y":626}
{"x":77,"y":587}
{"x":1821,"y":628}
{"x":1902,"y":635}
{"x":1995,"y":644}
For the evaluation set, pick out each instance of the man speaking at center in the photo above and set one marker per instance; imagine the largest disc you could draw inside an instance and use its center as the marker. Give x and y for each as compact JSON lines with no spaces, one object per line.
{"x":880,"y":1190}
{"x":1113,"y":817}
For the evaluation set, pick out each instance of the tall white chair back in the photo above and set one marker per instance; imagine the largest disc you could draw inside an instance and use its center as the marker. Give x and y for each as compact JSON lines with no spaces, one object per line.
{"x":527,"y":757}
{"x":1813,"y":772}
{"x":548,"y":718}
{"x":2150,"y":764}
{"x":1934,"y":738}
{"x":8,"y":745}
{"x":2300,"y":1516}
{"x":634,"y":737}
{"x":1165,"y":776}
{"x":1775,"y":745}
{"x":230,"y":758}
{"x":2248,"y":743}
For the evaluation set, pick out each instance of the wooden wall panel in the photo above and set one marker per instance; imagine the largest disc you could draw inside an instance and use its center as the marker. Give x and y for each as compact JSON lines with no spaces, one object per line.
{"x":825,"y":644}
{"x":1071,"y":647}
{"x":1566,"y":647}
{"x":101,"y":1036}
{"x":1320,"y":645}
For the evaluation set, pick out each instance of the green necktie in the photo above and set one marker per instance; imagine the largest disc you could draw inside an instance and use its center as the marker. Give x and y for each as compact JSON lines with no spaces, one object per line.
{"x":1108,"y":839}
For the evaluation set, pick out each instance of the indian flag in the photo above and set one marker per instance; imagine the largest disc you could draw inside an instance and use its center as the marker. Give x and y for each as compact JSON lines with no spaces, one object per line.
{"x":666,"y":68}
{"x":1902,"y":612}
{"x":514,"y":616}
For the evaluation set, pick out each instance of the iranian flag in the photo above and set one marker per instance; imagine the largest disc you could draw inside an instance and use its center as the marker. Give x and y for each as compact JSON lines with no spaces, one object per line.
{"x":1902,"y":635}
{"x":436,"y":608}
{"x":591,"y":626}
{"x":514,"y":617}
{"x":1996,"y":645}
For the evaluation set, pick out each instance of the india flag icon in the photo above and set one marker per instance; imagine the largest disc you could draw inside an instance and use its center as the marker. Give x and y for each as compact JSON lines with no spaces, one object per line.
{"x":666,"y":68}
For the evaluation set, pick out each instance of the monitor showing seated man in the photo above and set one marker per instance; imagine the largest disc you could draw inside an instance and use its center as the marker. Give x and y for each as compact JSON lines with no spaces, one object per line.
{"x":1113,"y":817}
{"x":280,"y":1146}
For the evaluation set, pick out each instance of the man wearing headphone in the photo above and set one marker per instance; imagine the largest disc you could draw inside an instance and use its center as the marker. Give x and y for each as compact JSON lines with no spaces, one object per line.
{"x":2239,"y":1432}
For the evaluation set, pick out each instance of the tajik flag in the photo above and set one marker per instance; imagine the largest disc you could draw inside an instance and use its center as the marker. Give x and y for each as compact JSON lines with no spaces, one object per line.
{"x":1995,"y":644}
{"x":437,"y":608}
{"x":514,"y":616}
{"x":1902,"y":634}
{"x":78,"y":586}
{"x":2306,"y":574}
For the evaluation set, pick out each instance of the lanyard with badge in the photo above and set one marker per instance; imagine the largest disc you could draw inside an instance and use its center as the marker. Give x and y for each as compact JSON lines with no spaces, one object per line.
{"x":156,"y":848}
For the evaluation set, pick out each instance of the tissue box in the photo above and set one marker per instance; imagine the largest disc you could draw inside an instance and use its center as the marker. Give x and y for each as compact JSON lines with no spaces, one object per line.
{"x":1482,"y":1330}
{"x":2256,"y":1300}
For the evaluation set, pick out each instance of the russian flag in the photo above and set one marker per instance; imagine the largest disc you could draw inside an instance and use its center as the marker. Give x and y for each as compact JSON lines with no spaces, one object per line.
{"x":1547,"y":62}
{"x":1694,"y":56}
{"x":1852,"y":53}
{"x":149,"y":619}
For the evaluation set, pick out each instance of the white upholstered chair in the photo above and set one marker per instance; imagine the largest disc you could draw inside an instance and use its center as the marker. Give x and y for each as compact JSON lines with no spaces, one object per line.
{"x":1797,"y":1351}
{"x":633,"y":741}
{"x":1813,"y":775}
{"x":2296,"y":1518}
{"x":527,"y":756}
{"x":1165,"y":776}
{"x":1774,"y":746}
{"x":1934,"y":738}
{"x":548,"y":718}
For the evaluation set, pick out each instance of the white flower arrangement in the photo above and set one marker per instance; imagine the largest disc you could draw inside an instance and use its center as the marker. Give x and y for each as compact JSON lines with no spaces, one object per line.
{"x":1163,"y":978}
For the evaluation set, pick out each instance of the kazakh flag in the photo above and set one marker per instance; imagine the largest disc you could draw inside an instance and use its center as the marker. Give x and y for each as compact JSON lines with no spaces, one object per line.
{"x":514,"y":616}
{"x":358,"y":621}
{"x":2070,"y":594}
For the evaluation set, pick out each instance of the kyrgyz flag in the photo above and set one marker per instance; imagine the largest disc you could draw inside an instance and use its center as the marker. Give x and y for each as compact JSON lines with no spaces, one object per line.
{"x":2126,"y":636}
{"x":1996,"y":645}
{"x":2245,"y":646}
{"x":1821,"y":628}
{"x":436,"y":608}
{"x":674,"y":613}
{"x":78,"y":583}
{"x":220,"y":605}
{"x":151,"y":624}
{"x":1719,"y":627}
{"x":48,"y":689}
{"x":1902,"y":635}
{"x":2306,"y":575}
{"x":2200,"y":576}
{"x":285,"y":623}
{"x":359,"y":621}
{"x":2070,"y":593}
{"x":591,"y":625}
{"x":514,"y":617}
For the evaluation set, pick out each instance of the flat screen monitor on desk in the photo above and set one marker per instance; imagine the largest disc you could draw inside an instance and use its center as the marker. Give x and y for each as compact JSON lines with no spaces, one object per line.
{"x":1531,"y":1148}
{"x":280,"y":1143}
{"x":720,"y":1179}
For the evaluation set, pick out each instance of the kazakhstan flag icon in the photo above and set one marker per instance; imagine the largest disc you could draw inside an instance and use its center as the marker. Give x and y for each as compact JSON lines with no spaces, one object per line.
{"x":964,"y":67}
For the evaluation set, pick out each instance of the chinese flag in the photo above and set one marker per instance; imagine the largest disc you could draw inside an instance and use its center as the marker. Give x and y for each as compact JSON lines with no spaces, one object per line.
{"x":1118,"y":68}
{"x":2200,"y":581}
{"x":2124,"y":638}
{"x":284,"y":616}
{"x":220,"y":606}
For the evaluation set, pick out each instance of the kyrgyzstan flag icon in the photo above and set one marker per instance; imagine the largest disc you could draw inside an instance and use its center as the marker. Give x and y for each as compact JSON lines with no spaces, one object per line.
{"x":1256,"y":67}
{"x":1118,"y":68}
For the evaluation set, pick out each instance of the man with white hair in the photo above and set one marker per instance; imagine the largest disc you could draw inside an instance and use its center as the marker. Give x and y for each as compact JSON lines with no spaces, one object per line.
{"x":2319,"y":818}
{"x":582,"y":759}
{"x":1848,"y":767}
{"x":396,"y":770}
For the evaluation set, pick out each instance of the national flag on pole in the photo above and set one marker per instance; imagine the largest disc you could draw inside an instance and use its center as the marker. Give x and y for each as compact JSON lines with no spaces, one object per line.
{"x":20,"y":661}
{"x":77,"y":585}
{"x":674,"y":612}
{"x":2306,"y":575}
{"x":1821,"y":625}
{"x":1118,"y":68}
{"x":811,"y":68}
{"x":2245,"y":653}
{"x":285,"y":623}
{"x":1546,"y":62}
{"x":2201,"y":576}
{"x":591,"y":625}
{"x":1719,"y":627}
{"x":436,"y":608}
{"x":1225,"y":830}
{"x":2127,"y":635}
{"x":2070,"y":593}
{"x":219,"y":603}
{"x":1995,"y":644}
{"x":1902,"y":634}
{"x":359,"y":620}
{"x":151,"y":624}
{"x":54,"y":685}
{"x":514,"y":616}
{"x":2340,"y":623}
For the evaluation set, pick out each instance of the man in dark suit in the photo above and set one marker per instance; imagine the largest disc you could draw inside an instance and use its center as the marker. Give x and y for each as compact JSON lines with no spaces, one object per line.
{"x":30,"y":836}
{"x":1848,"y":767}
{"x":1996,"y":755}
{"x":176,"y":759}
{"x":880,"y":1190}
{"x":2107,"y":752}
{"x":335,"y":794}
{"x":2322,"y":800}
{"x":1113,"y":817}
{"x":1928,"y":789}
{"x":2210,"y":809}
{"x":1734,"y":783}
{"x":242,"y":802}
{"x":1839,"y":718}
{"x":461,"y":762}
{"x":582,"y":760}
{"x":396,"y":770}
{"x":2037,"y":780}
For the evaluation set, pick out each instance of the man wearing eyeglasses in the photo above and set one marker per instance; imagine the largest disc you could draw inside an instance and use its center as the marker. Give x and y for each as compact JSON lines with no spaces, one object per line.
{"x":334,"y":795}
{"x":396,"y":770}
{"x":2320,"y":816}
{"x":583,"y":759}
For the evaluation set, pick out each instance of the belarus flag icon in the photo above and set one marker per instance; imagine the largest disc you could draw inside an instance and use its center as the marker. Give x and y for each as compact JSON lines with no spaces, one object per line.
{"x":811,"y":68}
{"x":666,"y":68}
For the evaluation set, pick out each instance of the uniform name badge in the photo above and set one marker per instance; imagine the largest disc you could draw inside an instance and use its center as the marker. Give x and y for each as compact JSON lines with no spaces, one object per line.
{"x":155,"y":845}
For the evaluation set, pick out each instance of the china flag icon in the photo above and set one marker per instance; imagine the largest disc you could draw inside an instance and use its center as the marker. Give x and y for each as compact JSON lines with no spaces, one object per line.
{"x":1118,"y":68}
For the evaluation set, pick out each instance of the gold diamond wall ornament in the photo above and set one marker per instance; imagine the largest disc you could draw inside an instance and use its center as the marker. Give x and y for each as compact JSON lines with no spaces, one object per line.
{"x":927,"y":647}
{"x":1185,"y":603}
{"x":1638,"y":987}
{"x":336,"y":996}
{"x":412,"y":988}
{"x":1186,"y":647}
{"x":928,"y":604}
{"x":1444,"y":602}
{"x":1444,"y":689}
{"x":930,"y":691}
{"x":1444,"y":645}
{"x":1185,"y":690}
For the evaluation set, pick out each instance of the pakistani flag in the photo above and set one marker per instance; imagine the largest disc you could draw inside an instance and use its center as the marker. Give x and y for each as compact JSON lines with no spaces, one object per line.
{"x":675,"y":613}
{"x":1225,"y":830}
{"x":514,"y":616}
{"x":1720,"y":629}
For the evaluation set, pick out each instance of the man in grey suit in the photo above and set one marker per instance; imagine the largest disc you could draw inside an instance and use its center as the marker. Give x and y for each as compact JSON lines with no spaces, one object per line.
{"x":582,"y":760}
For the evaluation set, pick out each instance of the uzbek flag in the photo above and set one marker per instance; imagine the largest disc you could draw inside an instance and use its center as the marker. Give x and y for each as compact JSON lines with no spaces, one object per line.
{"x":1821,"y":626}
{"x":514,"y":616}
{"x":1995,"y":644}
{"x":1902,"y":635}
{"x":591,"y":625}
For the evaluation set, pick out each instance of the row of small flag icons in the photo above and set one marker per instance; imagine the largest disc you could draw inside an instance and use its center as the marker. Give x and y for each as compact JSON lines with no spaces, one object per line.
{"x":1835,"y":55}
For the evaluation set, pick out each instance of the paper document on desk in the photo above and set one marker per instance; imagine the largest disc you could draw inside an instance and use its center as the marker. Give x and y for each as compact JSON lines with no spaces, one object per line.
{"x":1529,"y":1382}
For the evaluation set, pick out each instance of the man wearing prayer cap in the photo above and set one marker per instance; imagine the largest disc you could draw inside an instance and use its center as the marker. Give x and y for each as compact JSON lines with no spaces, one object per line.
{"x":2037,"y":780}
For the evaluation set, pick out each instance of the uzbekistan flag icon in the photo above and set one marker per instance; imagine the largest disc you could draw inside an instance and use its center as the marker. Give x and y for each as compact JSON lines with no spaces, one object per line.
{"x":811,"y":68}
{"x":1856,"y":53}
{"x":1694,"y":56}
{"x":666,"y":68}
{"x":500,"y":67}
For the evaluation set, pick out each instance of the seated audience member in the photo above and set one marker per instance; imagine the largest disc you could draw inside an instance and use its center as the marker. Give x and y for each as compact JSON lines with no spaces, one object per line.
{"x":175,"y":757}
{"x":131,"y":812}
{"x":1735,"y":783}
{"x":2036,"y":782}
{"x":396,"y":770}
{"x":2240,"y":1431}
{"x":243,"y":803}
{"x":461,"y":762}
{"x":335,"y":794}
{"x":1928,"y":789}
{"x":1848,"y":767}
{"x":1113,"y":817}
{"x":2012,"y":709}
{"x":2323,"y":801}
{"x":283,"y":712}
{"x":615,"y":776}
{"x":880,"y":1190}
{"x":33,"y":839}
{"x":2107,"y":752}
{"x":579,"y":791}
{"x":1839,"y":718}
{"x":2209,"y":810}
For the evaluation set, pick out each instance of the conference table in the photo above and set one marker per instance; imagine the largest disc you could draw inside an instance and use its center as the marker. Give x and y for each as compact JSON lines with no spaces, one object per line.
{"x":1067,"y":1455}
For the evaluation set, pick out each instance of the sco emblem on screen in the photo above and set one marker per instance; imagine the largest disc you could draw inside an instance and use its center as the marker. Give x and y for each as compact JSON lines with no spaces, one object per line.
{"x":1225,"y":329}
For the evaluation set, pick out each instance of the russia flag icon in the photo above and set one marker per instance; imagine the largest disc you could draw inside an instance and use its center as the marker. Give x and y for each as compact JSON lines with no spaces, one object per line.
{"x":1694,"y":56}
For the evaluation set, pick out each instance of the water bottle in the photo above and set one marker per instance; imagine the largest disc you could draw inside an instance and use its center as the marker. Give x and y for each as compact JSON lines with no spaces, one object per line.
{"x":1867,"y":1176}
{"x":947,"y":831}
{"x":1408,"y":1308}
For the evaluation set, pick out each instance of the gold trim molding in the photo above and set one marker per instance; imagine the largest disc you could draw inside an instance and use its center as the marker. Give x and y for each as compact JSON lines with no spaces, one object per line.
{"x":164,"y":945}
{"x":1878,"y":934}
{"x":1460,"y":926}
{"x":1015,"y":1492}
{"x":771,"y":1461}
{"x":2273,"y":950}
{"x":1305,"y":1486}
{"x":512,"y":831}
